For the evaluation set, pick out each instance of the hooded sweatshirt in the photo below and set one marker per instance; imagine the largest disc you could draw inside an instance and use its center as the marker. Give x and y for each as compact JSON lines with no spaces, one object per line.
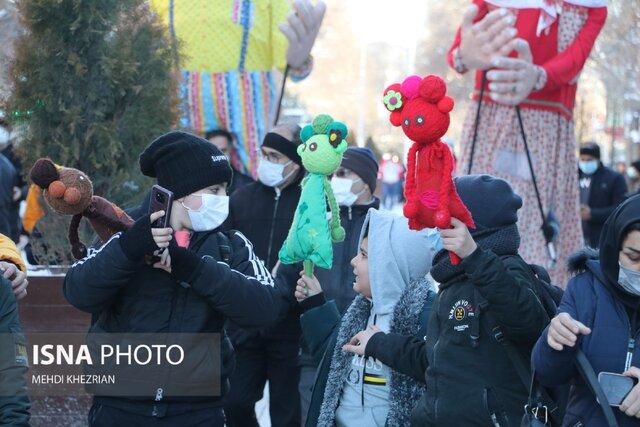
{"x":394,"y":261}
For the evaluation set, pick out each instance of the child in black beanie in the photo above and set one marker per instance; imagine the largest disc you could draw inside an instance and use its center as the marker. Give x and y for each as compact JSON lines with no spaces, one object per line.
{"x":196,"y":286}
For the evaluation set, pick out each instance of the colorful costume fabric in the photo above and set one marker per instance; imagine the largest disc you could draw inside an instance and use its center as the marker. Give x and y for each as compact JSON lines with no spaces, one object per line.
{"x":561,"y":50}
{"x":230,"y":53}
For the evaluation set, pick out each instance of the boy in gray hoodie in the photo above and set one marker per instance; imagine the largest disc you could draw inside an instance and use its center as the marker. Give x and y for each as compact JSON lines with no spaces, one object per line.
{"x":390,"y":270}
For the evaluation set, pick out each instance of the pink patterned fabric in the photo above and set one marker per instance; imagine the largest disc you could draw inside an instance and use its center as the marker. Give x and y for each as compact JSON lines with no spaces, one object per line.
{"x":500,"y":152}
{"x":551,"y":138}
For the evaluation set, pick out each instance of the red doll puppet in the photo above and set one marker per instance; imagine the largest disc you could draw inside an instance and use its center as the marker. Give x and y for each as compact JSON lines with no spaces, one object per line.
{"x":420,"y":106}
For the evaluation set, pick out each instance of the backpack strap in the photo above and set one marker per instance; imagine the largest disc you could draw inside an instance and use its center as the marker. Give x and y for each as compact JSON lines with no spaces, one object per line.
{"x":590,"y":378}
{"x":519,"y":362}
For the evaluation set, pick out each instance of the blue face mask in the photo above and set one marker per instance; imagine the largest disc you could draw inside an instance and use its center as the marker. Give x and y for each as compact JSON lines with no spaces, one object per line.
{"x":588,"y":168}
{"x":629,"y":280}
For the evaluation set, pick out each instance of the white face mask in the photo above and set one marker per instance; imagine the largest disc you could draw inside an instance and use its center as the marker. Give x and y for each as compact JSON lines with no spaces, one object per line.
{"x":271,"y":174}
{"x":212,"y":213}
{"x":629,"y":280}
{"x":342,"y":190}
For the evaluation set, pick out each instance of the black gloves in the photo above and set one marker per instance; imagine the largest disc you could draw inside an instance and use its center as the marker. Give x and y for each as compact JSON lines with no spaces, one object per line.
{"x":184,"y":263}
{"x":138,"y":241}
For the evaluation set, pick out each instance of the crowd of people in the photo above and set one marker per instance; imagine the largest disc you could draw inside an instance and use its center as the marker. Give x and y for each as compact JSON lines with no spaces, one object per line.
{"x":394,"y":333}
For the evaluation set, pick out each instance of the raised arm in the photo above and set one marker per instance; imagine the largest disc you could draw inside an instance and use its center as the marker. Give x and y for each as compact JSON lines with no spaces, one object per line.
{"x":243,"y":290}
{"x":554,"y":368}
{"x":504,"y":283}
{"x":565,"y":67}
{"x":92,"y":283}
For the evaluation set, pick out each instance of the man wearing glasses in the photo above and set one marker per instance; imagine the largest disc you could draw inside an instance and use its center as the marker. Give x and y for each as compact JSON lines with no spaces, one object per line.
{"x":263,"y":211}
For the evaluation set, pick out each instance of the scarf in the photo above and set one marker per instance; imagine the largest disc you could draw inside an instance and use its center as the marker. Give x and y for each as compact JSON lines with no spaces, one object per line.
{"x":501,"y":241}
{"x":404,"y":391}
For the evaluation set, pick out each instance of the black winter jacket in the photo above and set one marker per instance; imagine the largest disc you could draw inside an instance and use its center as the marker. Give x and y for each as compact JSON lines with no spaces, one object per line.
{"x":8,"y":180}
{"x":238,"y":181}
{"x":264,"y":217}
{"x":469,"y":376}
{"x":127,"y":296}
{"x":14,"y":402}
{"x":607,"y":190}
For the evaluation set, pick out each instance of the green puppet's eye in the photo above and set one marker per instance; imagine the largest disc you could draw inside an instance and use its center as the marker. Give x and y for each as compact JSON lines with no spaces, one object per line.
{"x":335,"y":137}
{"x":313,"y":146}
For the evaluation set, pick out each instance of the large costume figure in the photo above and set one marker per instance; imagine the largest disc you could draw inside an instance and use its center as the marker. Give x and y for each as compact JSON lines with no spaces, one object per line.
{"x":560,"y":35}
{"x":231,"y":53}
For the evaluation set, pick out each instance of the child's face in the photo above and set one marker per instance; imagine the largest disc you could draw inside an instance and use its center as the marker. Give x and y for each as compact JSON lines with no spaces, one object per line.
{"x":360,"y":264}
{"x":180,"y":217}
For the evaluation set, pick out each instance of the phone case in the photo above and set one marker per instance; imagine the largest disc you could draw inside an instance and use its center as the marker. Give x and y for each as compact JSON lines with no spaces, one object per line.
{"x":615,"y":386}
{"x":161,"y":200}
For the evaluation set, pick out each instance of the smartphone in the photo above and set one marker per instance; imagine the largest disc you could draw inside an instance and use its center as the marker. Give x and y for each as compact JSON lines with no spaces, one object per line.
{"x":615,"y":387}
{"x":161,"y":200}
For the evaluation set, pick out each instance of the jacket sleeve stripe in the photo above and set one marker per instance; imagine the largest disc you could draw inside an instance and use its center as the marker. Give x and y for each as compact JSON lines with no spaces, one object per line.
{"x":259,"y":269}
{"x":93,"y":252}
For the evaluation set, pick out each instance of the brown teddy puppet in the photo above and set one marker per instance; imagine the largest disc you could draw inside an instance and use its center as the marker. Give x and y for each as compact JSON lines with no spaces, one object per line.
{"x":70,"y":192}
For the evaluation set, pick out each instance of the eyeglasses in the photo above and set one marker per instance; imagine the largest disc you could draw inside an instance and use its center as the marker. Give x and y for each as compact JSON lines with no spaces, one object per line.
{"x":270,"y":157}
{"x":342,"y":173}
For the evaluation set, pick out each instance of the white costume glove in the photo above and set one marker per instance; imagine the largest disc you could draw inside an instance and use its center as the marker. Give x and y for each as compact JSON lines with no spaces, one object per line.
{"x":301,"y":29}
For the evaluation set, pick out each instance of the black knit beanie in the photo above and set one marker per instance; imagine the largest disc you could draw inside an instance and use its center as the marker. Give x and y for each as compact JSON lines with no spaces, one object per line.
{"x":491,"y":201}
{"x":283,"y":145}
{"x":590,"y":149}
{"x":363,"y":162}
{"x":184,"y":163}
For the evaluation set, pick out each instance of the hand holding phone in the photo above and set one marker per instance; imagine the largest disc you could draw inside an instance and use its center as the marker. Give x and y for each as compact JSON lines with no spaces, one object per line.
{"x":161,"y":200}
{"x":615,"y":386}
{"x":631,"y":403}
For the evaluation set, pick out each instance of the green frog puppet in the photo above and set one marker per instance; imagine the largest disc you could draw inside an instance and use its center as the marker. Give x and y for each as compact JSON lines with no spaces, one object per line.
{"x":312,"y":234}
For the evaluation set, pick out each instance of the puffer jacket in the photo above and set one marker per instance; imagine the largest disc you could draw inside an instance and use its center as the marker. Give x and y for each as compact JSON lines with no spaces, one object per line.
{"x":8,"y":180}
{"x":595,"y":298}
{"x":131,"y":297}
{"x":459,"y":359}
{"x":14,"y":402}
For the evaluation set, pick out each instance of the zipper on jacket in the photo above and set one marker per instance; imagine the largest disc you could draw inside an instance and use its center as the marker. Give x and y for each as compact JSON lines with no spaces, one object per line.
{"x":156,"y":412}
{"x":273,"y":224}
{"x":364,"y":367}
{"x":349,"y":213}
{"x":630,"y":348}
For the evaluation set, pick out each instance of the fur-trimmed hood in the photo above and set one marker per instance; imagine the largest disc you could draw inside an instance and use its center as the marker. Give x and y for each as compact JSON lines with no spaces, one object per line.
{"x":577,"y":263}
{"x":404,"y":391}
